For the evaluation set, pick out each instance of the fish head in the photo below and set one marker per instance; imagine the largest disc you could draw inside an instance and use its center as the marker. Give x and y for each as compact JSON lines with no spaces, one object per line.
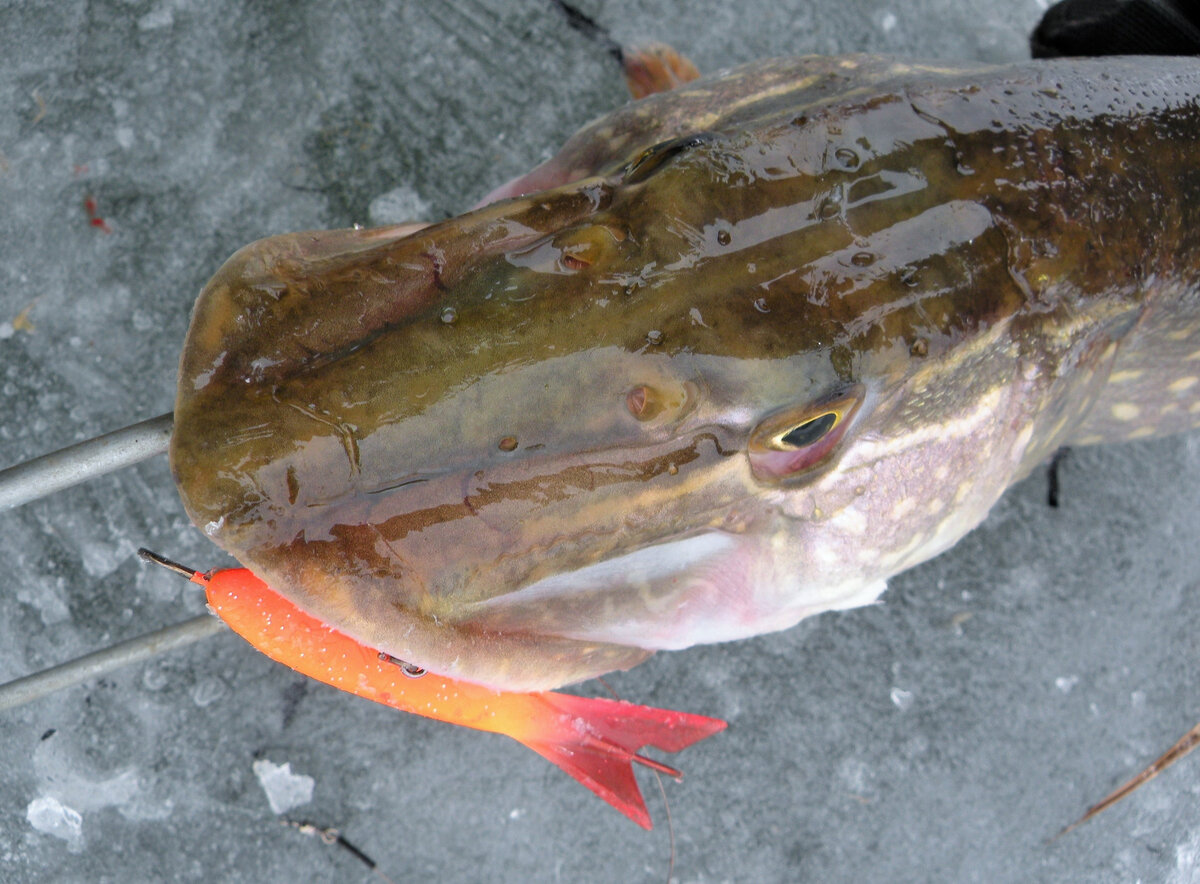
{"x":697,"y":397}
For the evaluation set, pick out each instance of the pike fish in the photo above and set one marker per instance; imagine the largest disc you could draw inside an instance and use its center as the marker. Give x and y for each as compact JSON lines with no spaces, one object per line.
{"x":739,"y":353}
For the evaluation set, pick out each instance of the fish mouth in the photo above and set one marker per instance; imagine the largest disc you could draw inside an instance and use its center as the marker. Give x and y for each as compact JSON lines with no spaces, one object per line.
{"x":373,"y":591}
{"x":523,"y":578}
{"x":375,"y":612}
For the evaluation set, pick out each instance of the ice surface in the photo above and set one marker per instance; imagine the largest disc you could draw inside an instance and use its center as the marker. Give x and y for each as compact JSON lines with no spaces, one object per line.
{"x":285,"y":790}
{"x":198,"y":127}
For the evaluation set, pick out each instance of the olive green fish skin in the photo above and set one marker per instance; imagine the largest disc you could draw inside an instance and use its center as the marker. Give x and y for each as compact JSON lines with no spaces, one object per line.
{"x":542,"y":440}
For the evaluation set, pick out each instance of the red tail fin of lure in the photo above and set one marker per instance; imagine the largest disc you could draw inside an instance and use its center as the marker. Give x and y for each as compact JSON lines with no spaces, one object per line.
{"x":596,"y":741}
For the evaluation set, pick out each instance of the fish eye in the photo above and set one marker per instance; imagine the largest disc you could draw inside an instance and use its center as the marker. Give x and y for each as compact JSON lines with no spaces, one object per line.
{"x":794,"y":441}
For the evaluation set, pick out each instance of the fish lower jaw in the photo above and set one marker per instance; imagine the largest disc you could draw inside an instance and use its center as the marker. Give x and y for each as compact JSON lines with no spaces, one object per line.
{"x":843,"y":597}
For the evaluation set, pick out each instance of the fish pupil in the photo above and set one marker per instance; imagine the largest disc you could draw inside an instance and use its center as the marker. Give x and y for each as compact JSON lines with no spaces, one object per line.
{"x":809,"y":432}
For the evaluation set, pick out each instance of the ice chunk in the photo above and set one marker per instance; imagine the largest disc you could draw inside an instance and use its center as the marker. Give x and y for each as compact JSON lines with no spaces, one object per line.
{"x":50,"y":816}
{"x":101,"y":557}
{"x":284,"y":789}
{"x":1187,"y":859}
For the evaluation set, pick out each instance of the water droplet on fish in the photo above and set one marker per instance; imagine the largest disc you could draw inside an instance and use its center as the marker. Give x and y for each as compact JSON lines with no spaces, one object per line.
{"x":449,"y":314}
{"x":909,"y":277}
{"x":724,"y":237}
{"x":672,"y":469}
{"x":920,"y":347}
{"x":508,"y":443}
{"x":654,"y":336}
{"x":760,"y":304}
{"x":846,"y":158}
{"x":862,"y":259}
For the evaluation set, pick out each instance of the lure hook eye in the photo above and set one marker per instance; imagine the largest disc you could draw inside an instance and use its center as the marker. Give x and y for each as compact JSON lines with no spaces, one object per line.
{"x":412,"y":670}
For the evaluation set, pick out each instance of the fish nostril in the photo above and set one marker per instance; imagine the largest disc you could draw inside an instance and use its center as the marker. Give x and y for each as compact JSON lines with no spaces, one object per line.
{"x":846,"y":158}
{"x":644,"y":402}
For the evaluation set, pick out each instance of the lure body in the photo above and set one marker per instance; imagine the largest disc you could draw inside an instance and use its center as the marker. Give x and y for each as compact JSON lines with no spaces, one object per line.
{"x":766,"y":340}
{"x":594,"y":740}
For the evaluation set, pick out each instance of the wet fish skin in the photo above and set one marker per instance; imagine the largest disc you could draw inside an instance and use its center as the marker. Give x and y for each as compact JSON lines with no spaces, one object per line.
{"x":542,"y":440}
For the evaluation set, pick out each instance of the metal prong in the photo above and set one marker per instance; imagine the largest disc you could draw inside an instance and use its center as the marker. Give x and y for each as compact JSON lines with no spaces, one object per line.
{"x":135,"y":650}
{"x":86,"y":460}
{"x":163,"y":562}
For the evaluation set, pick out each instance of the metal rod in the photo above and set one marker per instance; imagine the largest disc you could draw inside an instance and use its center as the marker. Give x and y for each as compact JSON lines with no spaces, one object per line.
{"x":33,"y":687}
{"x":61,"y":469}
{"x":77,"y":463}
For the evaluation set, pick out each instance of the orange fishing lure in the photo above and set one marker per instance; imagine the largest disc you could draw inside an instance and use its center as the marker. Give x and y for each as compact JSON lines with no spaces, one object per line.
{"x":596,"y":741}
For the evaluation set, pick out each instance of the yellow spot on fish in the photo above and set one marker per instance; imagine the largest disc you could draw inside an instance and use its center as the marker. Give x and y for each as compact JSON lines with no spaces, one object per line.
{"x":1180,"y":334}
{"x":1194,"y":408}
{"x":1142,"y":433}
{"x":1119,"y":377}
{"x":936,"y":506}
{"x":903,"y":507}
{"x":1183,"y":384}
{"x":825,"y":555}
{"x":1194,"y":356}
{"x":941,"y":472}
{"x":1125,"y":411}
{"x":850,"y":520}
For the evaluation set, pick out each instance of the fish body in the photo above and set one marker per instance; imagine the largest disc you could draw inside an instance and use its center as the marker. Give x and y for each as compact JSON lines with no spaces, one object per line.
{"x":749,"y":348}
